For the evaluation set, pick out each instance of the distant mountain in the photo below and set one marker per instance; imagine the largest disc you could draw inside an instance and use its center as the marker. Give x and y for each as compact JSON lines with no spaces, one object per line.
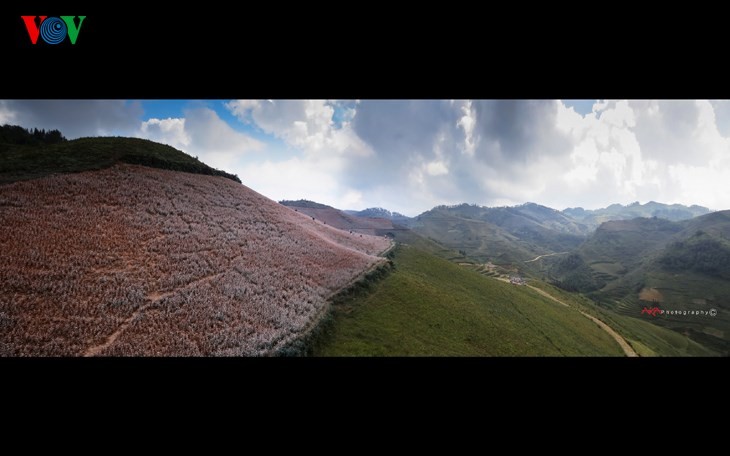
{"x":379,"y":212}
{"x":615,"y":248}
{"x":673,"y":212}
{"x":343,"y":220}
{"x":504,"y":235}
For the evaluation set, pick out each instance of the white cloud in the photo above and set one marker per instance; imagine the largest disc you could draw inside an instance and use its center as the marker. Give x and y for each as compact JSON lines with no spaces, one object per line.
{"x":467,"y":123}
{"x":436,"y":168}
{"x":204,"y":134}
{"x":708,"y":185}
{"x":305,"y":124}
{"x":298,"y":178}
{"x":169,"y":131}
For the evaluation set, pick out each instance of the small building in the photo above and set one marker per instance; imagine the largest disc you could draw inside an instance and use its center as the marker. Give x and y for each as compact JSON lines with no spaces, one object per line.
{"x":517,"y":280}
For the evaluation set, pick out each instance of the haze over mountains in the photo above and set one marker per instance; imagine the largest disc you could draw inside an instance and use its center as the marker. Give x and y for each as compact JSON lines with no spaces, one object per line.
{"x":674,"y":212}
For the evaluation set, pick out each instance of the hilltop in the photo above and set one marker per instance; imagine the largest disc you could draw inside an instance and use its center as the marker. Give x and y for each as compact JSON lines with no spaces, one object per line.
{"x":22,"y":161}
{"x":344,"y":220}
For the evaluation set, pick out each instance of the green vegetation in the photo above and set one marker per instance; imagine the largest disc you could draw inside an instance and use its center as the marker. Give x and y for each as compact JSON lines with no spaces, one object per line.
{"x":679,"y":266}
{"x":685,"y":291}
{"x":701,"y":253}
{"x":573,"y":274}
{"x":428,"y":306}
{"x":616,"y":248}
{"x":505,"y":236}
{"x":23,"y":161}
{"x":646,"y":338}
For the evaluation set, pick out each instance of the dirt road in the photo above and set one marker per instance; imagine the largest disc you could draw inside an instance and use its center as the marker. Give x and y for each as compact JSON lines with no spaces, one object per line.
{"x":546,"y":255}
{"x":628,"y":350}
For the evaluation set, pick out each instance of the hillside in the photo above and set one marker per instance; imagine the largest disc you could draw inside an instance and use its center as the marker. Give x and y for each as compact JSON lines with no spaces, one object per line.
{"x":344,"y":221}
{"x":679,"y":266}
{"x":507,"y":236}
{"x":427,"y":306}
{"x":672,"y":212}
{"x":432,"y":307}
{"x":614,"y":249}
{"x":127,"y":260}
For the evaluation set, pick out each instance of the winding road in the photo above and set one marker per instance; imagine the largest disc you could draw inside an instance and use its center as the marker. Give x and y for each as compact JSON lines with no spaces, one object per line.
{"x":628,"y":350}
{"x":546,"y":255}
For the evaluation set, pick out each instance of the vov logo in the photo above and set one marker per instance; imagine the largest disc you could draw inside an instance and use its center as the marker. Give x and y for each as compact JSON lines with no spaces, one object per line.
{"x":53,"y":30}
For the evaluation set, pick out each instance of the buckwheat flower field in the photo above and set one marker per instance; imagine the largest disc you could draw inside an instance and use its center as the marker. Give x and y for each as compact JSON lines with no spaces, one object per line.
{"x":135,"y":261}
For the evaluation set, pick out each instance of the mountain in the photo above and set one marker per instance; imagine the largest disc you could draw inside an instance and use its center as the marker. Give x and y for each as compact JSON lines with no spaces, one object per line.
{"x":503,"y":235}
{"x":673,"y":212}
{"x":102,"y":257}
{"x":343,"y":220}
{"x":615,"y":248}
{"x":379,"y":212}
{"x":519,"y":236}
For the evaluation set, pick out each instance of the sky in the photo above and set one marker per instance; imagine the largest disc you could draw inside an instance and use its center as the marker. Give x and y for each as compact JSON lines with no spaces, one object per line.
{"x":411,"y":155}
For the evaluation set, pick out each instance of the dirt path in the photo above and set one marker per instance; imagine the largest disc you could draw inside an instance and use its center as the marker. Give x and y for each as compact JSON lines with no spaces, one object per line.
{"x":628,"y":350}
{"x":95,"y":350}
{"x":153,"y":297}
{"x":546,"y":255}
{"x":386,"y":251}
{"x":621,"y":341}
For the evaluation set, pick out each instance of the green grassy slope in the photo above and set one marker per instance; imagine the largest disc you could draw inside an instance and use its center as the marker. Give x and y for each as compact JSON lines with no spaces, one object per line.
{"x":21,"y":162}
{"x":646,"y":338}
{"x":430,"y":306}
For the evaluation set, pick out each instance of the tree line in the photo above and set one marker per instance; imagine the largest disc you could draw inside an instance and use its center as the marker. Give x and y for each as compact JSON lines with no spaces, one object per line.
{"x":14,"y":134}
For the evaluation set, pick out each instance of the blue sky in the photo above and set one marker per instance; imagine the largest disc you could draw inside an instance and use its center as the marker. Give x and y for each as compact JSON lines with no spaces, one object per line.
{"x":411,"y":155}
{"x":582,"y":107}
